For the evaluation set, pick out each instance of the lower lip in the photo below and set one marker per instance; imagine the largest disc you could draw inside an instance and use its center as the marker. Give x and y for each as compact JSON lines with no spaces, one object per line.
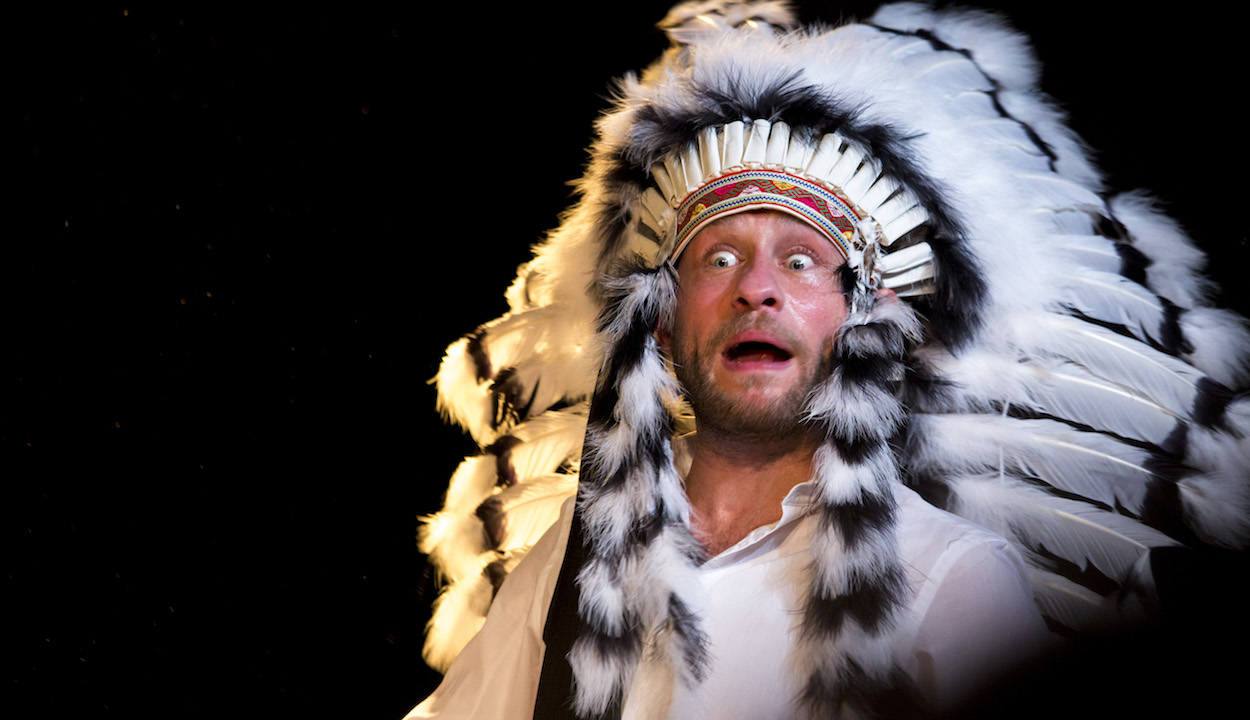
{"x":756,"y":364}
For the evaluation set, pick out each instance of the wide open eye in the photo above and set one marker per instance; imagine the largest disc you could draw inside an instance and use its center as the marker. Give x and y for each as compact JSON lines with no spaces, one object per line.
{"x":799,"y":261}
{"x":723,"y":258}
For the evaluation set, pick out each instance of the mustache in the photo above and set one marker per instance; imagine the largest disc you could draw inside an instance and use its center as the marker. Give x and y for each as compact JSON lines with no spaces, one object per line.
{"x":754,"y":321}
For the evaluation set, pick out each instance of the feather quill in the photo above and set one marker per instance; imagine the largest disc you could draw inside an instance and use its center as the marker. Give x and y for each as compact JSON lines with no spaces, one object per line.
{"x":1089,"y":251}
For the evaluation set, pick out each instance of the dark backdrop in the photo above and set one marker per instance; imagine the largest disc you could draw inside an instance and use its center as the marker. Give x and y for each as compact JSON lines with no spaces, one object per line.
{"x":239,"y":241}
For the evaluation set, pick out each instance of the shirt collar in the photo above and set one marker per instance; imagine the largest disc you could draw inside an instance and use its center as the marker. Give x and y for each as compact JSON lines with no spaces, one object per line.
{"x":796,"y":504}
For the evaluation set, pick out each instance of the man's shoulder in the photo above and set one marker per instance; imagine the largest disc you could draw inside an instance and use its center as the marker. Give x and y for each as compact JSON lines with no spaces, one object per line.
{"x":975,"y":569}
{"x":932,"y":539}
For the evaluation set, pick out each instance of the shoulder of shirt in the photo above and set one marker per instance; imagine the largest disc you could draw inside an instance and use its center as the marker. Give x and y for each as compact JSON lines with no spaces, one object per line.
{"x":918,"y":517}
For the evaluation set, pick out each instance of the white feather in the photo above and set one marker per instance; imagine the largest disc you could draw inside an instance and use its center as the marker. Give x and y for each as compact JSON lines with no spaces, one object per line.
{"x":458,"y":613}
{"x":1076,"y":531}
{"x":1086,"y":464}
{"x":1122,"y":360}
{"x":1217,"y":500}
{"x":986,"y":380}
{"x":1090,"y":251}
{"x":453,"y":537}
{"x":1073,"y":394}
{"x":1221,"y":345}
{"x":1175,"y":270}
{"x":463,"y":398}
{"x":473,"y":481}
{"x":1051,"y":191}
{"x":1115,"y":299}
{"x":1217,"y":506}
{"x":530,"y":508}
{"x":1068,"y":603}
{"x":547,"y":348}
{"x":455,"y":544}
{"x":548,"y":441}
{"x":556,"y":376}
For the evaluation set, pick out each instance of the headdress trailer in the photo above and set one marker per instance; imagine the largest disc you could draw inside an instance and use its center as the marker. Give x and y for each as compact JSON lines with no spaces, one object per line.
{"x":1055,"y":373}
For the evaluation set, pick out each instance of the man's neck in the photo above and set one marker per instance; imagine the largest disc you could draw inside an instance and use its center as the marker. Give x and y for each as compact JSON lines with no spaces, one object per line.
{"x":736,"y":485}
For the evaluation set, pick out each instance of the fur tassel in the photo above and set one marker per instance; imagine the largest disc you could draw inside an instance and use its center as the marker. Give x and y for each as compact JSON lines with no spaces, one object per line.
{"x":856,"y":580}
{"x":635,"y":591}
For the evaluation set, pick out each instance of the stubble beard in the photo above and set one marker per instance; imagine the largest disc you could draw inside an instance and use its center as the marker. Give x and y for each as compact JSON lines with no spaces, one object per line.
{"x":729,"y":413}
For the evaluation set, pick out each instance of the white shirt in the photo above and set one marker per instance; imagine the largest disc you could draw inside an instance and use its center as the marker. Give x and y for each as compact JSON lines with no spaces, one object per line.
{"x":971,"y":618}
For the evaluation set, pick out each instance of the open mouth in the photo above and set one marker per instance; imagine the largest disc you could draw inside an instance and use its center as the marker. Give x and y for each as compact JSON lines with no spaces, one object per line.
{"x":754,"y":351}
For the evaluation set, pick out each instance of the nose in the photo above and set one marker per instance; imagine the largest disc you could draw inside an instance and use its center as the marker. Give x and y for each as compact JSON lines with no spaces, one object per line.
{"x":757,"y":287}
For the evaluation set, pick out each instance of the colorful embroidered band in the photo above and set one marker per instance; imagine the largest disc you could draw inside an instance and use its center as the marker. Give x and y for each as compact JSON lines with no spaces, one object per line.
{"x":767,"y":189}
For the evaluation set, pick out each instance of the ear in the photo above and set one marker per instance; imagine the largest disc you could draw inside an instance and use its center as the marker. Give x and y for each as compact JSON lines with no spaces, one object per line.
{"x":664,"y":338}
{"x":886,"y":295}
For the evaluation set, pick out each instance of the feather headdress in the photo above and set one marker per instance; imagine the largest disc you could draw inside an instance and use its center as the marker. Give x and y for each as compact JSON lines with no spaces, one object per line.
{"x":1055,"y":374}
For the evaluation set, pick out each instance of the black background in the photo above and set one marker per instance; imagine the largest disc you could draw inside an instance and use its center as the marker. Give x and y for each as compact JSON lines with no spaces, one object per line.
{"x":240,"y":241}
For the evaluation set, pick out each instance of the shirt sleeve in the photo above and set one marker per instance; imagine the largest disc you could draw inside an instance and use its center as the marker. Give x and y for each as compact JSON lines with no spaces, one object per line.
{"x":496,"y":675}
{"x":980,"y":625}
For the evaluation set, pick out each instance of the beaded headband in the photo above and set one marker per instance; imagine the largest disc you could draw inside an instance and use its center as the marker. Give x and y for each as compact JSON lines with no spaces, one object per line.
{"x":767,"y":189}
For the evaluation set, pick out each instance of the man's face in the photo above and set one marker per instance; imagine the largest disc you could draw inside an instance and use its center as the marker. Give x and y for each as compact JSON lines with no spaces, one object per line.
{"x":758,"y":303}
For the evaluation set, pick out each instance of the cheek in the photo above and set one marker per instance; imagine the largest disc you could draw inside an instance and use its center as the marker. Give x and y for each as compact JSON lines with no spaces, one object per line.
{"x":676,"y":336}
{"x":821,"y":318}
{"x":823,"y":309}
{"x":695,"y":299}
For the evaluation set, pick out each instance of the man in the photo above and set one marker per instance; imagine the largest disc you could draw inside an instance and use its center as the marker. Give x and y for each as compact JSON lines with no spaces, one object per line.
{"x":759,"y":304}
{"x":777,"y":558}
